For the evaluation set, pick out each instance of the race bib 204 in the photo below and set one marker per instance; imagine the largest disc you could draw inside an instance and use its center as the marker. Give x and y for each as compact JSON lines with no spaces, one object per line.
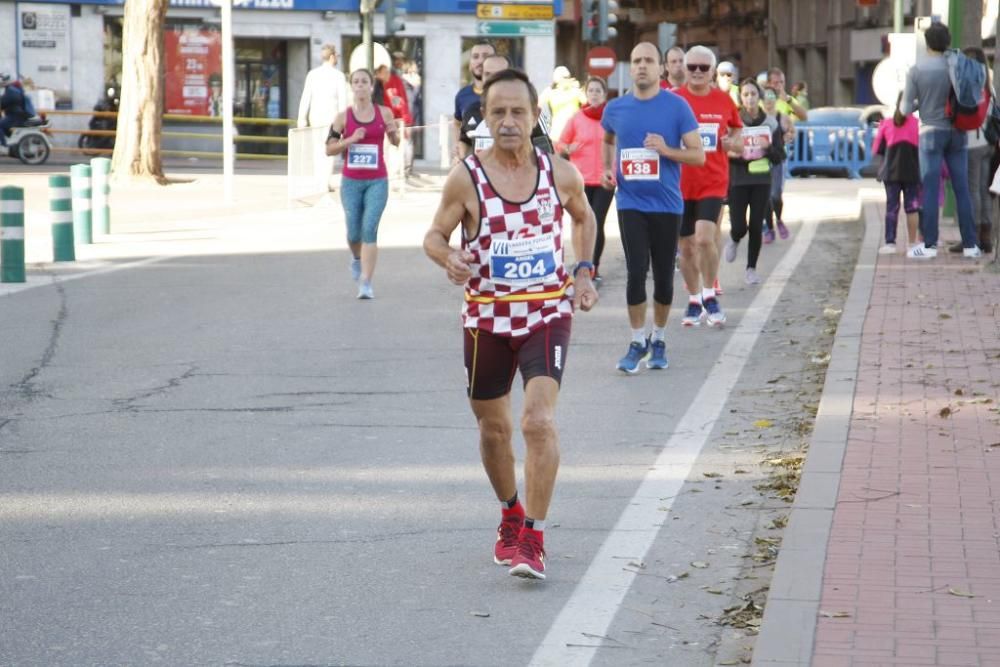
{"x":526,"y":261}
{"x":640,"y":164}
{"x":362,"y":156}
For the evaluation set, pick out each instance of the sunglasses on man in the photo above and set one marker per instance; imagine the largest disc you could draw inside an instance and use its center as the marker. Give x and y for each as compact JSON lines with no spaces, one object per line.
{"x":699,"y":68}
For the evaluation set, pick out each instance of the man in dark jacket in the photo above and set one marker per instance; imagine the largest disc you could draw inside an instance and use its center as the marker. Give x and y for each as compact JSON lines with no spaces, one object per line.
{"x":13,"y":106}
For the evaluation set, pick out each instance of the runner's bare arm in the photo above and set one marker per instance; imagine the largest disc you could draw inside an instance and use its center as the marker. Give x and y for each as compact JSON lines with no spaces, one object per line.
{"x":457,"y":147}
{"x":608,"y":159}
{"x":569,"y":184}
{"x":454,"y":209}
{"x":733,"y":140}
{"x":335,"y":143}
{"x":691,"y":151}
{"x":391,"y":127}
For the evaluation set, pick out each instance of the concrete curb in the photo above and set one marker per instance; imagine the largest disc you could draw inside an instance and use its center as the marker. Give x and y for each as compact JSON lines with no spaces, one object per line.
{"x":789,"y":626}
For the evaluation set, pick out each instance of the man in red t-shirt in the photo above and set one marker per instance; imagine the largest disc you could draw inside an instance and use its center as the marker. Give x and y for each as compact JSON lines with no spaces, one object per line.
{"x":394,"y":94}
{"x":705,"y":188}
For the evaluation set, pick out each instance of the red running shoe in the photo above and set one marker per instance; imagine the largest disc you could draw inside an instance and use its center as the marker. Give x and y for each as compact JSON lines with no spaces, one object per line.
{"x":506,"y":544}
{"x":529,"y":561}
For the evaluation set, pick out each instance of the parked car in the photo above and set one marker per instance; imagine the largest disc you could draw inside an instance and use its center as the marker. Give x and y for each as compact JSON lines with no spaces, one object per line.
{"x":837,"y":141}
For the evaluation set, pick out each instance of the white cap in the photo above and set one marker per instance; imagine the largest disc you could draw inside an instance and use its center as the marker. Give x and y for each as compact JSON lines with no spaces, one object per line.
{"x":726,"y":67}
{"x":560,"y":73}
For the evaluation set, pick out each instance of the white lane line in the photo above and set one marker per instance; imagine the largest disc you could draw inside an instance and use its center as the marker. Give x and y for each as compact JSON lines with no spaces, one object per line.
{"x":37,"y":281}
{"x":596,"y":599}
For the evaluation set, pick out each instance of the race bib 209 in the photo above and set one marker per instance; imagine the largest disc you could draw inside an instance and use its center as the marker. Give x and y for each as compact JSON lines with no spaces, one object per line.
{"x":709,"y":133}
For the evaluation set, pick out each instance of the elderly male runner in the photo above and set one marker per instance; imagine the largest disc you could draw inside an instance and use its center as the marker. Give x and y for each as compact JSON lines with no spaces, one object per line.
{"x":655,"y":132}
{"x":519,"y":301}
{"x":705,"y":187}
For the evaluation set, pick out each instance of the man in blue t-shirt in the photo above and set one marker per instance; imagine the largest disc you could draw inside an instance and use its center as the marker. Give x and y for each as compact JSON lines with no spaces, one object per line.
{"x":469,"y":95}
{"x":649,"y":133}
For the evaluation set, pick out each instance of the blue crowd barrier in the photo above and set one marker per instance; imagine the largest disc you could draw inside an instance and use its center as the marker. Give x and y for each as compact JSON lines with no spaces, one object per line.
{"x":831,"y":148}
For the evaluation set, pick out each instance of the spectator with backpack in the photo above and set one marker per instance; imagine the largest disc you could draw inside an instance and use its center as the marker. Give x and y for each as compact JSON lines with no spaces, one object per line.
{"x":929,"y":87}
{"x":981,"y":149}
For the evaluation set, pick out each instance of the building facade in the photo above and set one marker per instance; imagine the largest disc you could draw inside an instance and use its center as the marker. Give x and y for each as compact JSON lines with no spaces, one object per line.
{"x":74,"y":49}
{"x":832,"y":45}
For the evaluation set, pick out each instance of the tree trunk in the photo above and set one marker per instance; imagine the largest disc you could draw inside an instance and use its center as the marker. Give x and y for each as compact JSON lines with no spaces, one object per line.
{"x":140,"y":113}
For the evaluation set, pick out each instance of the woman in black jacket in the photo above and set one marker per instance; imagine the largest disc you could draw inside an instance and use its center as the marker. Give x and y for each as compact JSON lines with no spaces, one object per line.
{"x":750,"y":176}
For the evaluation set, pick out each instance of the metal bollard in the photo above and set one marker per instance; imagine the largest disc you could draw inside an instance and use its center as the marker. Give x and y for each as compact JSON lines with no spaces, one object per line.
{"x":61,"y":213}
{"x":12,"y":235}
{"x":100,"y":169}
{"x":82,"y":222}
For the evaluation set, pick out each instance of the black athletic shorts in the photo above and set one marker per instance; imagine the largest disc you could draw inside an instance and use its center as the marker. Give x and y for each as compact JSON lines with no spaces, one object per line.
{"x":708,"y":208}
{"x":491,"y":361}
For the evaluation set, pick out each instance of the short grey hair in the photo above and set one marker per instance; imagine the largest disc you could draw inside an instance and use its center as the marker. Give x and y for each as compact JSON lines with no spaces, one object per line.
{"x":699,"y":50}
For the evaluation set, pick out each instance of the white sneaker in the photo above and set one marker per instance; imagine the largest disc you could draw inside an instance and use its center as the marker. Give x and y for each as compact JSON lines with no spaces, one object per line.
{"x":972,"y":252}
{"x":887,"y":249}
{"x":920,"y":251}
{"x":751,"y":277}
{"x":730,"y":251}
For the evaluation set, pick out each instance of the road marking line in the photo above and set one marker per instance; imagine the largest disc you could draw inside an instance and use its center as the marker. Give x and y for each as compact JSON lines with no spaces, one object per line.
{"x":7,"y":289}
{"x":595,"y":601}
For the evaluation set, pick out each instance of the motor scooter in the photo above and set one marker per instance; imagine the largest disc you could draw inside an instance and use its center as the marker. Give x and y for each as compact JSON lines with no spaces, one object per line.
{"x":29,"y":143}
{"x":99,"y":144}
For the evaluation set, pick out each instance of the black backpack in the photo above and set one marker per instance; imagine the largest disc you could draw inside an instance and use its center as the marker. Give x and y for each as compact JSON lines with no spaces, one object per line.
{"x":991,"y":131}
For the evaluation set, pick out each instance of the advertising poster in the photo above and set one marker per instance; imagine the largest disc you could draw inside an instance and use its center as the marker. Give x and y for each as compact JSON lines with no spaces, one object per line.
{"x":43,"y":49}
{"x":193,"y":58}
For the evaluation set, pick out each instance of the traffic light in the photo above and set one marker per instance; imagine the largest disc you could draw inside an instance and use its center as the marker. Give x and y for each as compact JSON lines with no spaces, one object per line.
{"x":606,"y":20}
{"x":395,"y":16}
{"x":589,"y":20}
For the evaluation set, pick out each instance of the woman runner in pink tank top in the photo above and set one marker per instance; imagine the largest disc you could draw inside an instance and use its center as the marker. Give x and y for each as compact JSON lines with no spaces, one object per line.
{"x":359,"y":135}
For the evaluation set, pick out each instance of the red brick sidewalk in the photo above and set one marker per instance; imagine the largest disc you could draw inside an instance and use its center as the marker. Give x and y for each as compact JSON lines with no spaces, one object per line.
{"x":912,"y":575}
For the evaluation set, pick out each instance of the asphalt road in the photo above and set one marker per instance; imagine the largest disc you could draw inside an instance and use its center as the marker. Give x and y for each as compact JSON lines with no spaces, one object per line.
{"x":228,"y":460}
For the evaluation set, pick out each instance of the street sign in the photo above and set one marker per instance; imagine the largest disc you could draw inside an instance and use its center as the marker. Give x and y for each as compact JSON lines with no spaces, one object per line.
{"x":517,"y":12}
{"x":514,"y":28}
{"x":601,"y":61}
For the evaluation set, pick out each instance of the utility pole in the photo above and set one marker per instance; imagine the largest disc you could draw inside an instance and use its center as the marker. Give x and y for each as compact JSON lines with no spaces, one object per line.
{"x":367,"y":31}
{"x":228,"y":92}
{"x":897,"y":16}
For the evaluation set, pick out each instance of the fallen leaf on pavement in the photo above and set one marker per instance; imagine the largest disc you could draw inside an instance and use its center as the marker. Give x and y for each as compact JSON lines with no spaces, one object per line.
{"x":763,"y":423}
{"x":960,"y":593}
{"x":480,"y":614}
{"x":700,"y":564}
{"x":945,"y":412}
{"x":712,"y":474}
{"x":835,"y":614}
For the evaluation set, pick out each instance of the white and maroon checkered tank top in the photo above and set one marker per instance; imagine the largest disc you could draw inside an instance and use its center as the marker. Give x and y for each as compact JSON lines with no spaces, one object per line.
{"x":518,"y":279}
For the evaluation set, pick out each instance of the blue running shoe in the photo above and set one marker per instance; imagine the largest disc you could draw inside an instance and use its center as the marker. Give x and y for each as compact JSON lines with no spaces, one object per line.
{"x":716,"y":318}
{"x":355,"y":269}
{"x":636,"y":353}
{"x":693,"y":314}
{"x":657,"y":356}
